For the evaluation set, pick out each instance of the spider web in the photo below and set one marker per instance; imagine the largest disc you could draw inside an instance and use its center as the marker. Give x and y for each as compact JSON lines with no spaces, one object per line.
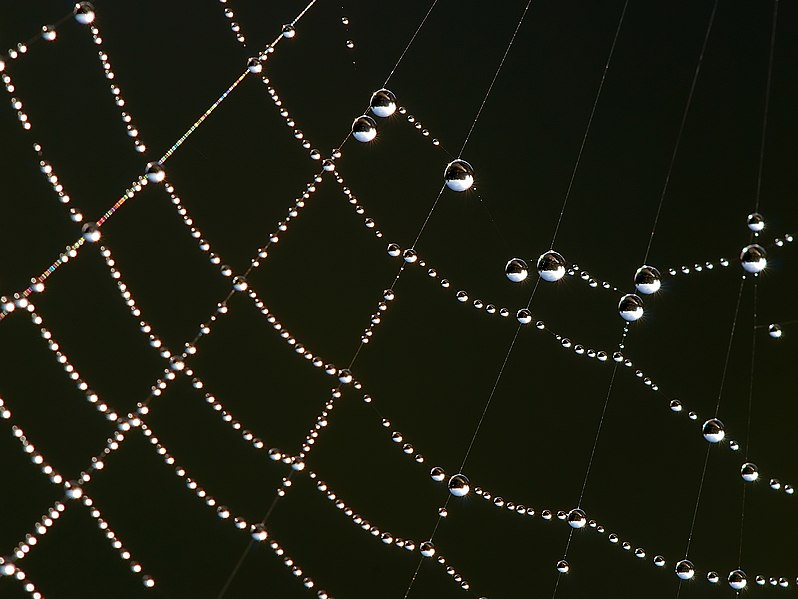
{"x":315,"y":284}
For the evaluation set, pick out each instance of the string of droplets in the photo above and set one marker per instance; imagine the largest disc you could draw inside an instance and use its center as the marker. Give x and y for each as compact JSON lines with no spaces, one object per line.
{"x":84,"y":13}
{"x":475,"y":306}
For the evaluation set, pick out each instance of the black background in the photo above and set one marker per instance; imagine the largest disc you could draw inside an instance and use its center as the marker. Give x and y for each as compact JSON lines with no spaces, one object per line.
{"x":433,"y":361}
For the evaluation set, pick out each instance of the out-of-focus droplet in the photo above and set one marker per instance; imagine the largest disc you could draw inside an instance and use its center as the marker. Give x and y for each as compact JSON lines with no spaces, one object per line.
{"x":254,"y":66}
{"x":48,"y":33}
{"x":91,"y":232}
{"x":155,"y":172}
{"x":240,"y":283}
{"x":84,"y":13}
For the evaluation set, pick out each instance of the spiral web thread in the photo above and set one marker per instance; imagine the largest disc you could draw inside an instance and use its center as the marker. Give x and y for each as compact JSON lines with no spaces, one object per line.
{"x":77,"y":489}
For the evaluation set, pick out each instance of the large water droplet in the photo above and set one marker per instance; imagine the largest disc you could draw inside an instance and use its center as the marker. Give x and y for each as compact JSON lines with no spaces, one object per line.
{"x":577,"y":518}
{"x":737,"y":579}
{"x":459,"y":175}
{"x":516,"y":270}
{"x":713,"y":430}
{"x":647,"y":280}
{"x":155,"y":172}
{"x":91,"y":232}
{"x":459,"y":486}
{"x":749,"y":472}
{"x":84,"y":13}
{"x":364,"y":128}
{"x":756,"y":222}
{"x":753,"y":258}
{"x":551,"y":266}
{"x":427,"y":549}
{"x":254,"y":66}
{"x":685,"y":569}
{"x":630,"y":307}
{"x":383,"y":103}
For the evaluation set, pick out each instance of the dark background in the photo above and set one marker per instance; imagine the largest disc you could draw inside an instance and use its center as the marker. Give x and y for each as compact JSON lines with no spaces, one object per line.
{"x":432,"y":362}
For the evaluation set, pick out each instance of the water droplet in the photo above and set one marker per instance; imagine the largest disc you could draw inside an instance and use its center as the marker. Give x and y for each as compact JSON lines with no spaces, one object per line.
{"x":84,"y":13}
{"x":254,"y":66}
{"x":756,"y":222}
{"x":437,"y":474}
{"x":712,"y":577}
{"x":345,"y":20}
{"x":516,"y":270}
{"x":345,"y":376}
{"x":48,"y":33}
{"x":713,"y":430}
{"x":749,"y":472}
{"x":737,"y":579}
{"x":524,"y":316}
{"x":91,"y":232}
{"x":394,"y":250}
{"x":577,"y":518}
{"x":551,"y":266}
{"x":459,"y":486}
{"x":240,"y":283}
{"x":659,"y":561}
{"x":630,"y":307}
{"x":350,"y":44}
{"x":676,"y":405}
{"x":410,"y":256}
{"x":459,"y":175}
{"x":427,"y":549}
{"x":563,"y":567}
{"x":364,"y":128}
{"x":289,"y":31}
{"x":753,"y":258}
{"x":155,"y":172}
{"x":7,"y":568}
{"x":685,"y":569}
{"x":774,"y":331}
{"x":647,"y":280}
{"x":74,"y":490}
{"x":383,"y":103}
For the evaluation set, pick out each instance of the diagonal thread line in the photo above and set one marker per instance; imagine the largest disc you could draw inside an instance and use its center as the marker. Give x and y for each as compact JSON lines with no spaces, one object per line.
{"x":767,"y":102}
{"x":589,"y":123}
{"x":681,"y":128}
{"x":496,"y":75}
{"x":410,"y":43}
